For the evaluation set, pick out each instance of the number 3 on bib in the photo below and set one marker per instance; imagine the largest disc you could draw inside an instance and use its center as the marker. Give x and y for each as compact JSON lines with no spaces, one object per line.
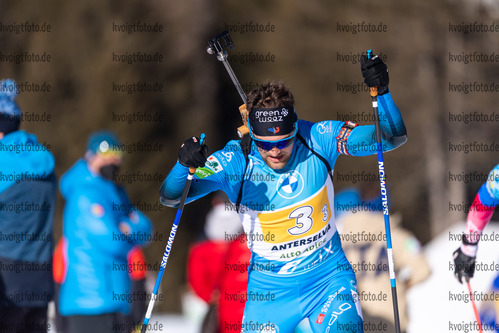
{"x":304,"y":220}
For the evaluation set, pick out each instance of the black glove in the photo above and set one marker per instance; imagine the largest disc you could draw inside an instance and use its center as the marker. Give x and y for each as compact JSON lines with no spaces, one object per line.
{"x":192,"y":154}
{"x":464,"y":265}
{"x":375,"y":73}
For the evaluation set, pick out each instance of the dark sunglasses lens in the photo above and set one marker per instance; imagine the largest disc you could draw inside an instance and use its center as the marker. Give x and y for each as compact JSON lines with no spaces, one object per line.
{"x":284,"y":143}
{"x":266,"y":145}
{"x":263,"y":145}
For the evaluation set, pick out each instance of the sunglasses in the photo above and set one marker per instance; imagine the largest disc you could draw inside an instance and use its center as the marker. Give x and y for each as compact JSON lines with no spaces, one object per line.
{"x":269,"y":144}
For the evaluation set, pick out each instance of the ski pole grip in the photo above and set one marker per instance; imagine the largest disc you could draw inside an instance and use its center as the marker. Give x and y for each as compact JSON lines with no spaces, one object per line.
{"x":373,"y":90}
{"x":243,"y":130}
{"x":192,"y":170}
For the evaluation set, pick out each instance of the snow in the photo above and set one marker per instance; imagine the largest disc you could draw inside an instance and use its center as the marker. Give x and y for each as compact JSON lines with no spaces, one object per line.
{"x":430,"y":309}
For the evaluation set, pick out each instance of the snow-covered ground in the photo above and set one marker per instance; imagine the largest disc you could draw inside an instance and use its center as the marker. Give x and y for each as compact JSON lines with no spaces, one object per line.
{"x":174,"y":324}
{"x":433,"y":304}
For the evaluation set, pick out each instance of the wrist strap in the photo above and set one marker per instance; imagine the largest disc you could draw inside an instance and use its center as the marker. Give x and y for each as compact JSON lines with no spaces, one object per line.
{"x":469,"y":250}
{"x":466,"y":241}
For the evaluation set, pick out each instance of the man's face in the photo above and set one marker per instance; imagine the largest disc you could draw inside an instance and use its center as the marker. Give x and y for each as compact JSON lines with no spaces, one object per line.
{"x":105,"y":165}
{"x":275,"y":158}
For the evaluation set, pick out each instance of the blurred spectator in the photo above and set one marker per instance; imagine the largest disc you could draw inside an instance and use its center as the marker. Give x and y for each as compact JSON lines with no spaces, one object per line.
{"x":28,"y":190}
{"x":100,"y":228}
{"x":362,"y":233}
{"x":137,"y":271}
{"x":218,"y":267}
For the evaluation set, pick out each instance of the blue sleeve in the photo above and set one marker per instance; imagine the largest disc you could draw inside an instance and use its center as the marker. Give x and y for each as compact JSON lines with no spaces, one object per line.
{"x":362,"y":139}
{"x":96,"y":223}
{"x":134,"y":222}
{"x":140,"y":225}
{"x":489,"y":192}
{"x":223,"y":171}
{"x":324,"y":136}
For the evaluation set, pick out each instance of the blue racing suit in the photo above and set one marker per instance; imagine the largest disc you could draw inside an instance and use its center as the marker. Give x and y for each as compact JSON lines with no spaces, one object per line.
{"x":298,"y":268}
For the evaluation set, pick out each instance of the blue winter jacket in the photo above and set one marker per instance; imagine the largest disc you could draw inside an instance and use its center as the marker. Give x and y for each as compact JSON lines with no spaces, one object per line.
{"x":96,"y":216}
{"x":28,"y":190}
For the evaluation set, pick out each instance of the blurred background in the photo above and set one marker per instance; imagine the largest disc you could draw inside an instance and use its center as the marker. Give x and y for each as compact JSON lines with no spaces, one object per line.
{"x":442,"y":57}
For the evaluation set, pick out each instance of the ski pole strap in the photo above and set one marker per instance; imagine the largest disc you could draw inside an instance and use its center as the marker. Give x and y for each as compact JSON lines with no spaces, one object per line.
{"x":341,"y":144}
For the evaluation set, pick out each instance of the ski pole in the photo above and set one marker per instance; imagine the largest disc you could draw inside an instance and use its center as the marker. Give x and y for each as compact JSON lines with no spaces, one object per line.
{"x":384,"y":198}
{"x":169,"y":245}
{"x":217,"y":46}
{"x":474,"y":306}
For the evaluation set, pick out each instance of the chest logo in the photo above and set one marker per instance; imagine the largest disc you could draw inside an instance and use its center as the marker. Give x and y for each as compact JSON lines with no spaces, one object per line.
{"x":290,"y":184}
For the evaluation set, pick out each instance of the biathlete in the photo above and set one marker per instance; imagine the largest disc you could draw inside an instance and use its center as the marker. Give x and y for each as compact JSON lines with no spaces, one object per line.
{"x":282,"y":188}
{"x":481,"y":211}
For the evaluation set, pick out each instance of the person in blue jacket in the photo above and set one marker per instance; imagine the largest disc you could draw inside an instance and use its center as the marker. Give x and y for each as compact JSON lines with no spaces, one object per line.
{"x":28,"y":190}
{"x":100,"y":226}
{"x":283,"y":191}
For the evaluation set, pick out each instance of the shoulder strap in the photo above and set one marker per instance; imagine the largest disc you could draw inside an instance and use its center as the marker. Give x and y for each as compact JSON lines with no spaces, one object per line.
{"x":246,"y":147}
{"x":328,"y":166}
